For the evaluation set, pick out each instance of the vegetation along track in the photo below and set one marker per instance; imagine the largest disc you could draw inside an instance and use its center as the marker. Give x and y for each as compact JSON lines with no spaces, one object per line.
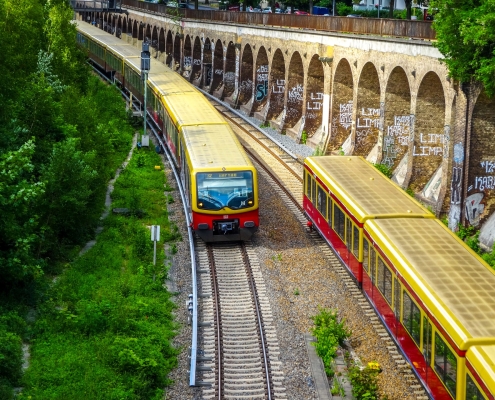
{"x":286,"y":174}
{"x":238,"y":329}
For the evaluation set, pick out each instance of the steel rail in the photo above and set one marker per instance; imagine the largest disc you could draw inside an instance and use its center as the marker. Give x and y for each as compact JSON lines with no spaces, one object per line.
{"x":216,"y":300}
{"x":259,"y":320}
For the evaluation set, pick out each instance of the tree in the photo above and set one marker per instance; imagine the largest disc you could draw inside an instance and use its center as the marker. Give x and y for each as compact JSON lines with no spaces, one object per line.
{"x":18,"y":196}
{"x":466,"y":37}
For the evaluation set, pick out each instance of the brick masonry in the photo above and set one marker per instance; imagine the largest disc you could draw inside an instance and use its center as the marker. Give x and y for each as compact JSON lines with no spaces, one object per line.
{"x":386,"y":99}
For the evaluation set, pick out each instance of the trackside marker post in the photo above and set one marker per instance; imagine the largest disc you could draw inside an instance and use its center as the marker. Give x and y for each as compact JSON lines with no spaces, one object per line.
{"x":155,"y":237}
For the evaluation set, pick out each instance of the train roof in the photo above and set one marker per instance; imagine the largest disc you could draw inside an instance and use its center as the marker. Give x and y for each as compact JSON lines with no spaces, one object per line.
{"x":103,"y":38}
{"x":482,"y":358}
{"x":364,"y":190}
{"x":214,"y":147}
{"x":454,"y":283}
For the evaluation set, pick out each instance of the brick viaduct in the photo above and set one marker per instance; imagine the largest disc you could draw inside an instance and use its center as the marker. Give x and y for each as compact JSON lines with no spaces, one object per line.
{"x":387,"y":99}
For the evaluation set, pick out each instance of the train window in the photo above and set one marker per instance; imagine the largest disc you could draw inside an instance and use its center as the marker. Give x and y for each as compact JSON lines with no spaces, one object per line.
{"x":322,"y":201}
{"x":397,"y":299}
{"x":308,"y":185}
{"x":355,"y":247}
{"x":427,"y":340}
{"x":313,"y":191}
{"x":445,"y":364}
{"x":384,"y":281}
{"x":348,"y":233}
{"x":339,"y":221}
{"x":373,"y":264}
{"x":366,"y":246}
{"x":411,"y":318}
{"x":472,"y":391}
{"x":330,"y":209}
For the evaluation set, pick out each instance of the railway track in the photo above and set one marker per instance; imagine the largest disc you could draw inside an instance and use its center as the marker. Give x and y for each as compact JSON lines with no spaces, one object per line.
{"x":238,"y":329}
{"x":286,"y":172}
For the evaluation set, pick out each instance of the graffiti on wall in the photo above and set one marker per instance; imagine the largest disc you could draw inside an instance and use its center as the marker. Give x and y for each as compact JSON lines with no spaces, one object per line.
{"x":315,"y":101}
{"x":279,"y":86}
{"x":345,"y":115}
{"x":368,"y":119}
{"x":482,"y":182}
{"x":455,"y":187}
{"x":401,"y":129}
{"x":295,"y":93}
{"x":430,"y":144}
{"x":262,"y":82}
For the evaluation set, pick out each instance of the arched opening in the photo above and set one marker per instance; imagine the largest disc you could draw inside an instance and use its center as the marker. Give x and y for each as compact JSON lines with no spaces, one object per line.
{"x":429,"y":132}
{"x":207,"y":67}
{"x":342,"y":107}
{"x":229,"y":75}
{"x":277,"y":86}
{"x":295,"y":91}
{"x":187,"y":58}
{"x":368,"y":113}
{"x":176,"y":65}
{"x":246,"y":78}
{"x":480,"y":197}
{"x":217,"y":67}
{"x":398,"y":121}
{"x":196,"y":70}
{"x":169,"y":48}
{"x":261,"y":80}
{"x":314,"y":97}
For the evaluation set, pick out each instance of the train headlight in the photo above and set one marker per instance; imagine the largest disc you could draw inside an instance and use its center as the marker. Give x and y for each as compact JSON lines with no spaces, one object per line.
{"x":200,"y":205}
{"x":250,"y":202}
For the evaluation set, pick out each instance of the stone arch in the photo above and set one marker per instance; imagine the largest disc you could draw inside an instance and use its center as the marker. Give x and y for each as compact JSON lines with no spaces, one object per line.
{"x":295,"y":91}
{"x":187,"y":64}
{"x":397,"y":122}
{"x":229,"y":74}
{"x":119,"y":29}
{"x":135,"y":30}
{"x":343,"y":84}
{"x":154,"y":40}
{"x":246,"y":76}
{"x":429,"y":132}
{"x":480,"y":196}
{"x":196,"y":69}
{"x":277,"y":86}
{"x":261,"y":80}
{"x":129,"y":27}
{"x":176,"y":65}
{"x":161,"y":41}
{"x":207,"y":66}
{"x":147,"y":34}
{"x":169,"y":49}
{"x":368,"y":112}
{"x":314,"y":96}
{"x":217,"y":67}
{"x":141,"y":31}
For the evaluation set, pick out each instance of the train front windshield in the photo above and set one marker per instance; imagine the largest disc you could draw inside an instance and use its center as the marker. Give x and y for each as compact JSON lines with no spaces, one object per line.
{"x":220,"y":190}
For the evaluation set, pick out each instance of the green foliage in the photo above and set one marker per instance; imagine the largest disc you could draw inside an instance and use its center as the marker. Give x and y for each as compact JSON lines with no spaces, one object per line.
{"x":106,"y":326}
{"x":318,"y":152}
{"x":265,"y":125}
{"x":364,"y":382}
{"x":296,"y":292}
{"x":11,"y":330}
{"x":410,"y":191}
{"x":343,"y":9}
{"x":341,"y":151}
{"x":330,"y":334}
{"x":466,"y":33}
{"x":384,"y":169}
{"x":465,"y":232}
{"x":304,"y":137}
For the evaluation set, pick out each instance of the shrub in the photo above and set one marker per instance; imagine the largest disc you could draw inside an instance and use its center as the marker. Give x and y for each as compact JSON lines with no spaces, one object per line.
{"x":330,"y":334}
{"x":343,"y":9}
{"x":384,"y":169}
{"x":365,"y":381}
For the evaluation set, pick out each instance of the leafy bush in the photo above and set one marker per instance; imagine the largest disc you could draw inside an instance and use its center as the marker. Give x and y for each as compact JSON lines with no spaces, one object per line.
{"x":330,"y":334}
{"x":343,"y":9}
{"x":365,"y":381}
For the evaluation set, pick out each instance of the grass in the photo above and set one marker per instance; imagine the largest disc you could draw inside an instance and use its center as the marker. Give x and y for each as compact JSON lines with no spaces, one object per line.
{"x":105,"y":328}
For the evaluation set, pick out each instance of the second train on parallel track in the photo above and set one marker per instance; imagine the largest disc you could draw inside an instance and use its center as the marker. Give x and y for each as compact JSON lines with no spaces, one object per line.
{"x":218,"y":178}
{"x":432,"y":292}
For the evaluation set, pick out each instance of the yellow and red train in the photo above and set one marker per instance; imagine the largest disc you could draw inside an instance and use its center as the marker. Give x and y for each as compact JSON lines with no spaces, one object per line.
{"x":433,"y":293}
{"x":218,"y":178}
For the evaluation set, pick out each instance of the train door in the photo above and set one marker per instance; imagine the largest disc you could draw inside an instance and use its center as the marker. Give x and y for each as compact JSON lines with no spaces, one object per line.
{"x":348,"y":241}
{"x":426,"y":348}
